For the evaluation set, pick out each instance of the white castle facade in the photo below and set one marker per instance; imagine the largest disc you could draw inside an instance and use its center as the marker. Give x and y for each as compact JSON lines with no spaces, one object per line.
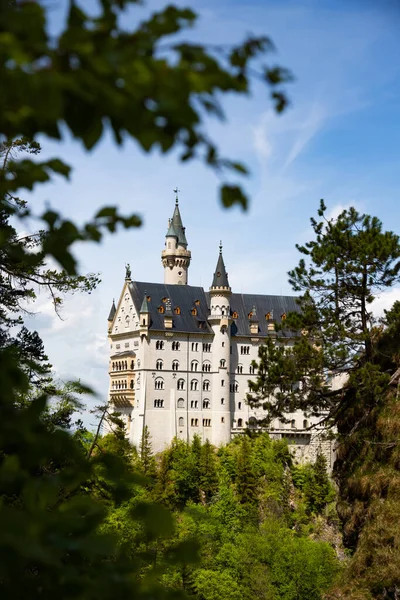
{"x":181,"y":357}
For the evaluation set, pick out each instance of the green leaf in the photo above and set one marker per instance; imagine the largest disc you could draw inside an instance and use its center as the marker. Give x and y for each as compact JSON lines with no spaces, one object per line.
{"x":232,"y":195}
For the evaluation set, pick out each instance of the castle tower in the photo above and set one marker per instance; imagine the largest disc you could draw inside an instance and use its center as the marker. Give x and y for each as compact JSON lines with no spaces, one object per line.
{"x":176,"y":257}
{"x":220,"y":321}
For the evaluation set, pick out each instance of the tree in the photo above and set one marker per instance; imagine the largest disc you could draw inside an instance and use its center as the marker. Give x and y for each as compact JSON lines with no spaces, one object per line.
{"x":348,"y":263}
{"x":341,"y":366}
{"x":98,"y":75}
{"x":208,"y":471}
{"x":147,"y":460}
{"x":246,"y":483}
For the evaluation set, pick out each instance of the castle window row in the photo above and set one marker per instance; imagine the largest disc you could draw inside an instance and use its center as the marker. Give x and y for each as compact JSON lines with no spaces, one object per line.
{"x":159,"y":403}
{"x":121,"y":365}
{"x":195,"y":422}
{"x":234,"y":387}
{"x":122,"y":384}
{"x":194,"y":403}
{"x":244,"y":349}
{"x":206,"y":367}
{"x":175,"y":346}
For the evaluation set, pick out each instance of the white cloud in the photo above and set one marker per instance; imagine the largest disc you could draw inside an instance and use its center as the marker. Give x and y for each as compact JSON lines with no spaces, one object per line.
{"x":385,"y":301}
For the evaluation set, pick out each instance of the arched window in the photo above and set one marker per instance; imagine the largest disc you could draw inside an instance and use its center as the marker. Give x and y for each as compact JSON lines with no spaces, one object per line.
{"x":177,"y":310}
{"x":239,"y":369}
{"x":175,"y":365}
{"x":240,"y":423}
{"x":206,"y":385}
{"x":235,"y":315}
{"x":131,"y":384}
{"x":206,"y":367}
{"x":193,"y":366}
{"x":252,"y":422}
{"x":222,"y":363}
{"x":159,"y":384}
{"x":251,"y":370}
{"x":159,"y":364}
{"x":126,"y":365}
{"x":175,"y":345}
{"x":132,"y":364}
{"x":293,"y":423}
{"x":181,"y":421}
{"x":194,"y":385}
{"x":181,"y":403}
{"x":206,"y":403}
{"x":181,"y":384}
{"x":161,"y":310}
{"x":305,"y":424}
{"x":194,"y":311}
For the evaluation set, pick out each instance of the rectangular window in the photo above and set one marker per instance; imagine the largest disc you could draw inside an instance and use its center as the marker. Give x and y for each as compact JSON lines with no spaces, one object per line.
{"x":222,"y":401}
{"x":206,"y":422}
{"x":222,"y":382}
{"x":222,"y":419}
{"x":194,"y":422}
{"x":239,"y":405}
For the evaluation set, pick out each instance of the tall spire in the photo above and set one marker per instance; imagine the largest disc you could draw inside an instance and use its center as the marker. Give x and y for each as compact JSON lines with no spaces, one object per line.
{"x":177,"y":225}
{"x":176,"y":257}
{"x":220,"y":279}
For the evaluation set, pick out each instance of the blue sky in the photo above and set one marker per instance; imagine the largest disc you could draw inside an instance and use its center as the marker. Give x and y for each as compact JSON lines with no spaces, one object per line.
{"x":339,"y":141}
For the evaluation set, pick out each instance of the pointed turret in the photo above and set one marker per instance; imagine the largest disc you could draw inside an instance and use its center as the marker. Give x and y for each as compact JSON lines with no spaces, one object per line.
{"x":176,"y":257}
{"x":171,"y":230}
{"x":113,"y":310}
{"x":145,"y":307}
{"x":144,"y":316}
{"x":220,"y":279}
{"x":178,"y":226}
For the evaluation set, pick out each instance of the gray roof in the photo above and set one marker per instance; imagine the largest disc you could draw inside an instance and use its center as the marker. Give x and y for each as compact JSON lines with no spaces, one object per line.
{"x":243,"y":304}
{"x":185,"y":297}
{"x":113,"y":310}
{"x":178,"y":227}
{"x":220,"y":278}
{"x":188,"y":297}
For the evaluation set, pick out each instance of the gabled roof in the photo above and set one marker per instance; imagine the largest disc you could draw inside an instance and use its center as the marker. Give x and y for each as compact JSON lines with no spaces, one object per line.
{"x":220,"y":278}
{"x":113,"y":310}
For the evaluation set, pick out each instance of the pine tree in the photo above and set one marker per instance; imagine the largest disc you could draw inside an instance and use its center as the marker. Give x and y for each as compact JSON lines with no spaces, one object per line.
{"x":246,"y":482}
{"x":208,"y":471}
{"x":318,"y":488}
{"x":147,"y":460}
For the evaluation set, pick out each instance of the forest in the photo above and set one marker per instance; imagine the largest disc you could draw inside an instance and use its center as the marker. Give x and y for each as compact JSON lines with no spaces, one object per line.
{"x":85,"y":515}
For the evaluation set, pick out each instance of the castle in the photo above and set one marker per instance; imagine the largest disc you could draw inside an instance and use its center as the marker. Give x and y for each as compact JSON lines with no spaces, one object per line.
{"x":181,"y":357}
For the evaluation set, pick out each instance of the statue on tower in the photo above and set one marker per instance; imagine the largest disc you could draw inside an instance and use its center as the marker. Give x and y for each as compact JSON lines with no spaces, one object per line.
{"x":128,"y":271}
